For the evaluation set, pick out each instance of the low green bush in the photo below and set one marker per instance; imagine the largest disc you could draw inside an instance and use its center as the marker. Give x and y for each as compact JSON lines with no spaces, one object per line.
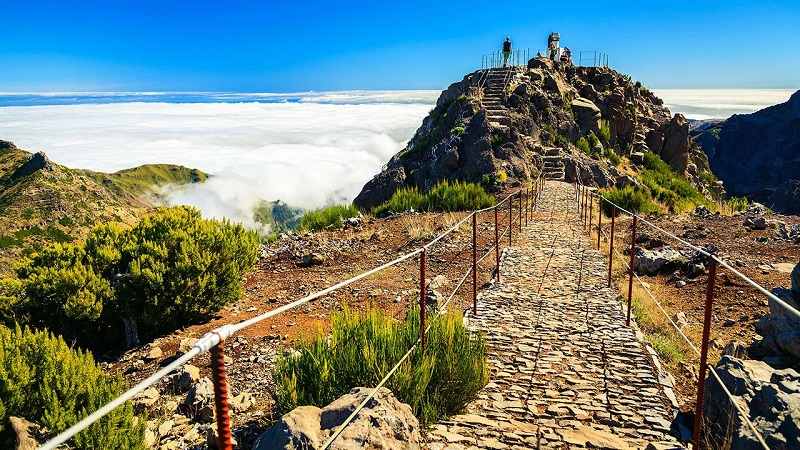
{"x":583,"y":145}
{"x":738,"y":203}
{"x":668,"y":187}
{"x":636,"y":200}
{"x":605,"y":131}
{"x":437,"y":382}
{"x":46,"y":382}
{"x":592,"y":139}
{"x":329,"y":217}
{"x":612,"y":156}
{"x":444,"y":196}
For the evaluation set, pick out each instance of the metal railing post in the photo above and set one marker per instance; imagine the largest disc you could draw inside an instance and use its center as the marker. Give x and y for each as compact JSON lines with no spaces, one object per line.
{"x":422,"y":295}
{"x":496,"y":245}
{"x":591,"y":212}
{"x":701,"y":379}
{"x":474,"y":264}
{"x":520,"y":211}
{"x":630,"y":272}
{"x":611,"y":245}
{"x":599,"y":220}
{"x":510,"y":218}
{"x":220,"y":378}
{"x":527,"y":204}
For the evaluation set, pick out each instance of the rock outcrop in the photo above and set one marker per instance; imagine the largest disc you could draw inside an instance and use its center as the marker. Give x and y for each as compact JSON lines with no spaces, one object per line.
{"x":484,"y":130}
{"x":383,"y":424}
{"x":757,"y":154}
{"x":779,"y":328}
{"x":769,"y":397}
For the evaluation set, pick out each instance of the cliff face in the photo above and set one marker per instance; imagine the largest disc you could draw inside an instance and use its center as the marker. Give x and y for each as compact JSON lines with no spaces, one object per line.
{"x":758,"y":155}
{"x":502,"y":124}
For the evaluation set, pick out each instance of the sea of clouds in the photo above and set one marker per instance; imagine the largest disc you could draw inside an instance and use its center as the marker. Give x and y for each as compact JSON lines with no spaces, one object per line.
{"x":307,"y":150}
{"x":703,"y":104}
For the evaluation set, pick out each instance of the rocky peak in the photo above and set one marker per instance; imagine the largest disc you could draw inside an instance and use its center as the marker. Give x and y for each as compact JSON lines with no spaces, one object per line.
{"x":39,"y":161}
{"x":496,"y":127}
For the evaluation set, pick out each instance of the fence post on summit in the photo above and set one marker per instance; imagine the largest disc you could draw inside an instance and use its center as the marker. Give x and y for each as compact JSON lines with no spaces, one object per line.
{"x":611,"y":244}
{"x":701,"y":379}
{"x":474,"y":264}
{"x":496,"y":245}
{"x":220,"y":379}
{"x":599,"y":220}
{"x":630,"y":272}
{"x":422,"y":305}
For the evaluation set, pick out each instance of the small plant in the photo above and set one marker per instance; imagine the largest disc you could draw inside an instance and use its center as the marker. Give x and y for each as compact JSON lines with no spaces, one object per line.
{"x":462,"y":97}
{"x":612,"y":156}
{"x":636,"y":200}
{"x":592,"y":139}
{"x":738,"y":203}
{"x":583,"y":145}
{"x":458,"y":130}
{"x":605,"y":131}
{"x":329,"y":217}
{"x":496,"y":140}
{"x":437,"y":382}
{"x":444,"y":196}
{"x":559,"y":139}
{"x":500,"y":177}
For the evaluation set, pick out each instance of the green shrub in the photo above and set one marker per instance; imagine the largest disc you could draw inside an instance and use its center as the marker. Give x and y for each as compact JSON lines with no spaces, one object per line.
{"x":458,"y":130}
{"x":583,"y":145}
{"x":500,"y":177}
{"x":329,"y":217}
{"x":496,"y":140}
{"x":462,"y":97}
{"x":559,"y":139}
{"x":667,"y":186}
{"x":738,"y":203}
{"x":592,"y":139}
{"x":444,"y":196}
{"x":437,"y":382}
{"x":636,"y":200}
{"x":45,"y":381}
{"x":169,"y":270}
{"x":612,"y":156}
{"x":605,"y":131}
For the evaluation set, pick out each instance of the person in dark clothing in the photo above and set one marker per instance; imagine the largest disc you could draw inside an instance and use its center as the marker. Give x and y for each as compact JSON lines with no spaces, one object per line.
{"x":506,"y":50}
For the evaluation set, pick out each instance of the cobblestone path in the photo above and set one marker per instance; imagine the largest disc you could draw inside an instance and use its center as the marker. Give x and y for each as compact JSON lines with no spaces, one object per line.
{"x":566,"y":371}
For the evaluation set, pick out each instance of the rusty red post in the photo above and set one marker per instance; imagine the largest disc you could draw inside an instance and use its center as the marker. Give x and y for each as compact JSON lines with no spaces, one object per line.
{"x":611,"y":245}
{"x":527,"y":204}
{"x":510,"y":218}
{"x":474,"y":264}
{"x":630,"y":272}
{"x":496,"y":245}
{"x":591,"y":211}
{"x":220,"y":379}
{"x":599,"y":220}
{"x":520,"y":211}
{"x":701,"y":380}
{"x":422,"y":305}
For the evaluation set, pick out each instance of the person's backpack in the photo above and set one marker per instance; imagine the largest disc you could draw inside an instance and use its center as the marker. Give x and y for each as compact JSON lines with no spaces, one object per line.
{"x":507,"y":46}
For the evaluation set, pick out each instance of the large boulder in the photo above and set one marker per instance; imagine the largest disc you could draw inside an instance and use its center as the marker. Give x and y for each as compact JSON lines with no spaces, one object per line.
{"x":383,"y":423}
{"x":675,"y":150}
{"x":380,"y":189}
{"x":587,"y":114}
{"x":779,"y":327}
{"x":651,"y":262}
{"x":769,"y":397}
{"x":21,"y":434}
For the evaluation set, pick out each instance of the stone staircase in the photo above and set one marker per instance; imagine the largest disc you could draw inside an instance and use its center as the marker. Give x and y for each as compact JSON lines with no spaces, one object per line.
{"x":553,"y":164}
{"x":493,"y":98}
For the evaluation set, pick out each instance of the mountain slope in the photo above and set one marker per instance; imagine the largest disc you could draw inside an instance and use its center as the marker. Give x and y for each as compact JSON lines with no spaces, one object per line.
{"x":42,"y":202}
{"x":758,"y":155}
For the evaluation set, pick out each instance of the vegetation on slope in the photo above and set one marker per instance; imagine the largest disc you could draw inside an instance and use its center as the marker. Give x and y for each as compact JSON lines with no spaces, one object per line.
{"x":444,"y":196}
{"x":329,"y":217}
{"x":437,"y":382}
{"x":172,"y":269}
{"x":147,"y":178}
{"x":45,"y":381}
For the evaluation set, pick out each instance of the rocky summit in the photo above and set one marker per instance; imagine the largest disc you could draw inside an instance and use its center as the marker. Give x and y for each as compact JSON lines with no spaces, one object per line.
{"x":506,"y":125}
{"x":758,"y":155}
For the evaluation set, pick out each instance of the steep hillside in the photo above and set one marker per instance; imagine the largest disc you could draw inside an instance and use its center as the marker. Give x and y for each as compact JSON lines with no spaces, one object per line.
{"x":758,"y":155}
{"x":500,"y":126}
{"x":42,"y":202}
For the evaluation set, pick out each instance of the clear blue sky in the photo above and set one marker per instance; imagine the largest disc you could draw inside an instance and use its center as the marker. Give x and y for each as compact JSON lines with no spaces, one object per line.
{"x":283,"y":46}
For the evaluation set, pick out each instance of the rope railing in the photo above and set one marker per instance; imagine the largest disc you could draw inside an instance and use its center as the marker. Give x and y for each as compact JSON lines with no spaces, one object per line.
{"x":213,"y":340}
{"x":584,"y":197}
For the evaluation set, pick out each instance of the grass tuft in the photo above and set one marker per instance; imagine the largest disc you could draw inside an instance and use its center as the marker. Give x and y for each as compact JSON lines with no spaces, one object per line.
{"x":444,"y":196}
{"x":437,"y":382}
{"x":329,"y":217}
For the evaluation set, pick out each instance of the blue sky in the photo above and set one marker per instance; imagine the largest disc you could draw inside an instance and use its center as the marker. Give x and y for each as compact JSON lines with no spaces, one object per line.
{"x":285,"y":46}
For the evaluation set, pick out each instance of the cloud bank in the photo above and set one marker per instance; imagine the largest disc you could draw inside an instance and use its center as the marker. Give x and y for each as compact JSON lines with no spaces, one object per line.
{"x":304,"y":153}
{"x":720,"y":103}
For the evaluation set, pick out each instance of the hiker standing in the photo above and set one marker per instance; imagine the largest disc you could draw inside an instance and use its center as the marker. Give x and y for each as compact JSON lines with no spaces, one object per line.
{"x":506,"y":50}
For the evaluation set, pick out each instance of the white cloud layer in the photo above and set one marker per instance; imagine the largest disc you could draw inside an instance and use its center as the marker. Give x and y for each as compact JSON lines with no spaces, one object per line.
{"x":720,"y":103}
{"x":305,"y":153}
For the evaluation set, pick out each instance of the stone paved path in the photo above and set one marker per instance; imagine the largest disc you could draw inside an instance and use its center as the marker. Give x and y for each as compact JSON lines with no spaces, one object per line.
{"x":566,"y":371}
